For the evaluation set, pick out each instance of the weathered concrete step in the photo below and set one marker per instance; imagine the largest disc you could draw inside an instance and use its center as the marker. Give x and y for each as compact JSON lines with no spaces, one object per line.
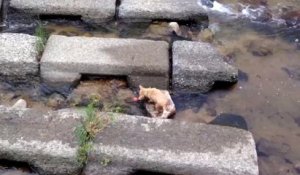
{"x":47,"y":141}
{"x":138,"y":10}
{"x":44,"y":140}
{"x":197,"y":66}
{"x":142,"y":61}
{"x":134,"y":143}
{"x":18,"y":56}
{"x":95,"y":11}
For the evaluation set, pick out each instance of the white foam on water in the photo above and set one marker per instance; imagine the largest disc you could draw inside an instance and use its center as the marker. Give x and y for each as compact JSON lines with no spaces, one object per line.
{"x":253,"y":13}
{"x":217,"y":7}
{"x":247,"y":11}
{"x":222,"y":8}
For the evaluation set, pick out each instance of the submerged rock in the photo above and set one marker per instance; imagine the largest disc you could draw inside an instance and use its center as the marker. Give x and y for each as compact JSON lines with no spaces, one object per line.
{"x":293,"y":72}
{"x":231,"y":120}
{"x":297,"y":167}
{"x":243,"y":76}
{"x":55,"y":100}
{"x":266,"y":148}
{"x":258,"y":46}
{"x":260,"y":51}
{"x":206,"y":35}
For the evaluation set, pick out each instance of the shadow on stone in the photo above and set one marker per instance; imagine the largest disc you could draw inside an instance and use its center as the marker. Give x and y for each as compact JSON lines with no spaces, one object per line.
{"x":63,"y":90}
{"x":22,"y":166}
{"x":220,"y":85}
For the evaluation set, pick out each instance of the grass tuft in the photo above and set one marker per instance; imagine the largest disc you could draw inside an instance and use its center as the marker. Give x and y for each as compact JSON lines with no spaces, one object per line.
{"x":88,"y":129}
{"x":42,"y":35}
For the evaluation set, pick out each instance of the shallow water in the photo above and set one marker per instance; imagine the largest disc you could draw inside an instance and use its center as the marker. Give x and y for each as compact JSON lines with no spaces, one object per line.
{"x":267,"y":95}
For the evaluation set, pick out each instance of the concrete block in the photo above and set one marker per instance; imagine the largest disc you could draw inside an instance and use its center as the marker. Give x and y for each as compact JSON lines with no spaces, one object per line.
{"x":95,"y":11}
{"x":173,"y":147}
{"x":197,"y":66}
{"x":18,"y":56}
{"x":138,"y":10}
{"x":45,"y":140}
{"x":136,"y":59}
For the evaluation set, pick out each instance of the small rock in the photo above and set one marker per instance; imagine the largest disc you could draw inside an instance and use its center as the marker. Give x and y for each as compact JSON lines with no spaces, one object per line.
{"x":261,"y":52}
{"x":293,"y":72}
{"x":258,"y":49}
{"x":266,"y":148}
{"x":297,"y":121}
{"x":206,"y":35}
{"x":55,"y":100}
{"x":243,"y":76}
{"x":297,"y":167}
{"x":20,"y":104}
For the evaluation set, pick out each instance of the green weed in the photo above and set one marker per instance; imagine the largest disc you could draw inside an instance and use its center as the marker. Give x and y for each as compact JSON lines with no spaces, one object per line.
{"x":42,"y":35}
{"x":92,"y":124}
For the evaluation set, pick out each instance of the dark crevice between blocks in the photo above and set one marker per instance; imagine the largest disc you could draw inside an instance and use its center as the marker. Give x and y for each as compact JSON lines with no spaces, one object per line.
{"x":118,"y":3}
{"x":3,"y":14}
{"x":12,"y":166}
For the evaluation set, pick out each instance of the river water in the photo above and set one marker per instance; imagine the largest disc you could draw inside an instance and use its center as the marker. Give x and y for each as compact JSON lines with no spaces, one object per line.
{"x":260,"y":37}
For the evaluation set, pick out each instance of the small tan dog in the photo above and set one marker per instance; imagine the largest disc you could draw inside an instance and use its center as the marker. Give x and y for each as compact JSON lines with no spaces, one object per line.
{"x":161,"y":99}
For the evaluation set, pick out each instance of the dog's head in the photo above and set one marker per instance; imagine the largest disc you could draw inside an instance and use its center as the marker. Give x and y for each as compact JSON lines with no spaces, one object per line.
{"x":142,"y":93}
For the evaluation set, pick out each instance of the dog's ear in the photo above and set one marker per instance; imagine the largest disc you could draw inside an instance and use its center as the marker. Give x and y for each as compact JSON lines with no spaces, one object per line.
{"x":141,"y":87}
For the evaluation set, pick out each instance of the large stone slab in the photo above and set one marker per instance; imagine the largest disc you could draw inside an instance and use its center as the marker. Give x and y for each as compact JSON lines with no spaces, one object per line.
{"x":18,"y":56}
{"x":138,"y":10}
{"x":45,"y":140}
{"x":142,"y":61}
{"x":95,"y":11}
{"x":197,"y":66}
{"x":135,"y":143}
